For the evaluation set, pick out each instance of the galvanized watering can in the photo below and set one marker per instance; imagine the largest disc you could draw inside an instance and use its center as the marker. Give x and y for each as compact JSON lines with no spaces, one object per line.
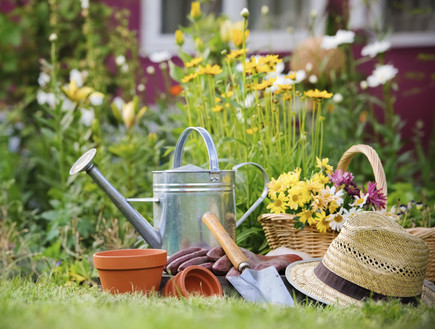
{"x":181,"y":196}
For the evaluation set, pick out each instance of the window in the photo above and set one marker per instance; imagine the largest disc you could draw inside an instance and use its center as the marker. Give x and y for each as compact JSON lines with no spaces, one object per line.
{"x":411,"y":22}
{"x":160,"y":19}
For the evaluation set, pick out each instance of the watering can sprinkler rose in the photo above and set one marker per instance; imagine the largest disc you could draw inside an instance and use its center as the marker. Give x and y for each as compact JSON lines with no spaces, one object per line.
{"x":181,"y":196}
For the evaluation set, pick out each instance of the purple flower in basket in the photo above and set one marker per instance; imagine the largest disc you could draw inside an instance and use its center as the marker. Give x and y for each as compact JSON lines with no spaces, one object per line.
{"x":339,"y":178}
{"x":376,"y":197}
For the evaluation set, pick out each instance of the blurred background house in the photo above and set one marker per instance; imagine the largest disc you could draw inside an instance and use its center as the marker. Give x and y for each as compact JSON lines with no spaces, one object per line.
{"x":409,"y":26}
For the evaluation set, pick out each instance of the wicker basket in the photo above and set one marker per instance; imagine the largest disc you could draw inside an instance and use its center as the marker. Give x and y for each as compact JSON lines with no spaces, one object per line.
{"x":427,"y":234}
{"x":280,"y":231}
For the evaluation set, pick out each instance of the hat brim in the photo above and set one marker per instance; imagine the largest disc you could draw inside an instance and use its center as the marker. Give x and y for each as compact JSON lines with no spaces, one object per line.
{"x":301,"y":276}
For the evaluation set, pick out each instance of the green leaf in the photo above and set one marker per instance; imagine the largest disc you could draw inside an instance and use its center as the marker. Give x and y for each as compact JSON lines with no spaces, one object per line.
{"x":176,"y":72}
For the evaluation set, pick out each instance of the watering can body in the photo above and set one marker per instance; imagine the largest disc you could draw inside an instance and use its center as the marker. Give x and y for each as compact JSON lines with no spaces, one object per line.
{"x":181,"y":196}
{"x":184,"y":196}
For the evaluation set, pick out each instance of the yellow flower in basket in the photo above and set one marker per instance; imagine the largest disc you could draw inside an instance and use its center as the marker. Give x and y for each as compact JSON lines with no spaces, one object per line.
{"x":326,"y":200}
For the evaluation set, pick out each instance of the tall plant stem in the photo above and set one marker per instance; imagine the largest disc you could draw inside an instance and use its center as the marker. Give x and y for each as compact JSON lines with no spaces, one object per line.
{"x":58,"y":116}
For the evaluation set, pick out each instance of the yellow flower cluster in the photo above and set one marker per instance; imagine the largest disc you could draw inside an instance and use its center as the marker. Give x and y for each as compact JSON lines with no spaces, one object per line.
{"x":317,"y":94}
{"x":237,"y":53}
{"x":264,"y":64}
{"x":194,"y":62}
{"x":311,"y":200}
{"x":264,"y":84}
{"x":209,"y":70}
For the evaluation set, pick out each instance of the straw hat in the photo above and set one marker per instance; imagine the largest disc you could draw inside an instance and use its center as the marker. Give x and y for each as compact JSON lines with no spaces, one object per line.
{"x":372,"y":257}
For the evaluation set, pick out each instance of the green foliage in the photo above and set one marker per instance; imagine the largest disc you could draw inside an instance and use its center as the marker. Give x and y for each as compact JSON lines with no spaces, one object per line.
{"x":50,"y":221}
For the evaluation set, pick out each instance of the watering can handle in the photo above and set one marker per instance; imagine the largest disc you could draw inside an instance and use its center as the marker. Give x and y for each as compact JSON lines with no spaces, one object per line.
{"x":263,"y":194}
{"x":211,"y":149}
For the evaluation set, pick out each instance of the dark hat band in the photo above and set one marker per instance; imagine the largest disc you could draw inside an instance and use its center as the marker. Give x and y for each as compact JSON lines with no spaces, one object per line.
{"x":353,"y":290}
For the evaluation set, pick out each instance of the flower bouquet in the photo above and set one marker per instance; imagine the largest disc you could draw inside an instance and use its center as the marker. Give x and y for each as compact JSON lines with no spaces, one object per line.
{"x":307,"y":214}
{"x":326,"y":200}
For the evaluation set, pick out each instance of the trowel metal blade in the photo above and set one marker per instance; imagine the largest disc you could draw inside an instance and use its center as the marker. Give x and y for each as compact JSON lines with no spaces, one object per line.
{"x":263,"y":286}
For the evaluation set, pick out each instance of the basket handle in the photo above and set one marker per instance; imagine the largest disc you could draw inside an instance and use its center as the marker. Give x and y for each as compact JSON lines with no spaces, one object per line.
{"x":375,"y":162}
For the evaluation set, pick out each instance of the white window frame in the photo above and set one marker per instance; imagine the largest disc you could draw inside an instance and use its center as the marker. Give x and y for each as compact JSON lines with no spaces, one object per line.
{"x":363,"y":17}
{"x":151,"y":40}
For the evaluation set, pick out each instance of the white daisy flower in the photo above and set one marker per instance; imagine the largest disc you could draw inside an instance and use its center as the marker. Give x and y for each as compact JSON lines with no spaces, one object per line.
{"x":351,"y":212}
{"x":313,"y":78}
{"x":160,"y":56}
{"x":67,"y":104}
{"x":308,"y":67}
{"x":338,"y":98}
{"x":249,"y":100}
{"x":96,"y":98}
{"x":301,"y":75}
{"x":85,"y":4}
{"x":77,"y":76}
{"x":337,"y":220}
{"x":341,"y":37}
{"x":46,"y":98}
{"x":87,"y":116}
{"x":375,"y":48}
{"x":120,"y":60}
{"x":360,"y":200}
{"x":43,"y":79}
{"x":151,"y":70}
{"x":124,"y":68}
{"x":381,"y":75}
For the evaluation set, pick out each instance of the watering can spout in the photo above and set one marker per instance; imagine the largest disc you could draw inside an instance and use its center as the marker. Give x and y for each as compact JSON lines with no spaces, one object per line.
{"x":152,"y":236}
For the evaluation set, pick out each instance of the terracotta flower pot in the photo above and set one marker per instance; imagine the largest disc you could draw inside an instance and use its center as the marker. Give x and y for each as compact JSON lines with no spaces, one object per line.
{"x":130,"y":270}
{"x":194,"y":280}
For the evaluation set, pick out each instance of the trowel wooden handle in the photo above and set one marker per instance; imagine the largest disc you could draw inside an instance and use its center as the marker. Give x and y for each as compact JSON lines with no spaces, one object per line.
{"x":233,"y":252}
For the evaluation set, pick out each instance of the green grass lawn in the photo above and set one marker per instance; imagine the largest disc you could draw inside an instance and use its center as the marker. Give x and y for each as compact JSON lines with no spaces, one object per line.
{"x":24,"y":304}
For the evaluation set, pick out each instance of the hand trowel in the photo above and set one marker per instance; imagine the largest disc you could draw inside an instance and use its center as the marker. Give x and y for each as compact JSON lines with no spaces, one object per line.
{"x":263,"y":286}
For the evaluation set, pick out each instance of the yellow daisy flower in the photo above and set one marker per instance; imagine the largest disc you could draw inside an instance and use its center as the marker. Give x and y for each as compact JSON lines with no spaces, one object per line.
{"x":333,"y":206}
{"x":287,"y":97}
{"x":319,"y":203}
{"x":209,"y":70}
{"x":251,"y":131}
{"x":322,"y":222}
{"x":306,"y":215}
{"x":318,"y":94}
{"x":278,"y":204}
{"x":193,"y":62}
{"x":292,"y":177}
{"x":237,"y":53}
{"x":323,"y":165}
{"x":217,"y":108}
{"x":189,"y":77}
{"x":297,"y":197}
{"x":291,"y":76}
{"x":276,"y":186}
{"x":319,"y":177}
{"x":313,"y":186}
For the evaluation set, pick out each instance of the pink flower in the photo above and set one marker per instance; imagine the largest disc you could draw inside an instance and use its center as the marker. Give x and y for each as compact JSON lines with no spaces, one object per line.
{"x":339,"y":178}
{"x":376,"y":198}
